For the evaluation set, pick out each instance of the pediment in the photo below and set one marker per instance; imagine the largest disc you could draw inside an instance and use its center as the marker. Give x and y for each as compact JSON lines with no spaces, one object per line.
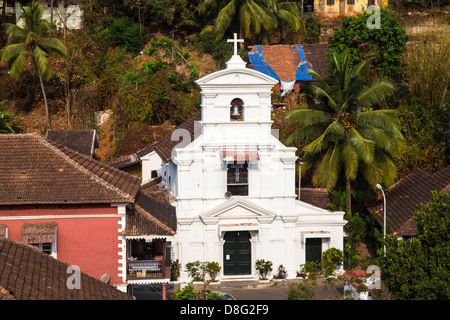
{"x":238,"y":209}
{"x":243,"y":76}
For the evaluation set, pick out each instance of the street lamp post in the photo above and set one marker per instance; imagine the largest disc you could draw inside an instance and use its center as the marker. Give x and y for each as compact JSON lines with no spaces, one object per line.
{"x":384,"y":218}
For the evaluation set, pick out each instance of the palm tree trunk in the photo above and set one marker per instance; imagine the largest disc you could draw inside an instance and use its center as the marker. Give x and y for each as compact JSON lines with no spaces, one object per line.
{"x":45,"y":96}
{"x":348,"y":203}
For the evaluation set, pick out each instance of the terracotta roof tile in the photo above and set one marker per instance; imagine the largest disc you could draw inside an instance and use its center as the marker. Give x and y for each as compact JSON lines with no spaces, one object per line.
{"x":318,"y":197}
{"x":165,"y":146}
{"x":403,"y":197}
{"x":35,"y":171}
{"x":284,"y":59}
{"x":29,"y":274}
{"x":82,"y":141}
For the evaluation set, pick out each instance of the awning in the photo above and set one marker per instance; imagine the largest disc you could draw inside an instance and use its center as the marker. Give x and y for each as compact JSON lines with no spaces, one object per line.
{"x":315,"y":234}
{"x":239,"y":155}
{"x":39,"y":233}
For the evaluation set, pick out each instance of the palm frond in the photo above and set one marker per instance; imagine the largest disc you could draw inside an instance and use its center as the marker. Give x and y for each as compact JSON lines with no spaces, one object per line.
{"x":17,"y":65}
{"x":224,"y":19}
{"x":350,"y":160}
{"x":304,"y":134}
{"x":41,"y":59}
{"x":379,"y":89}
{"x":15,"y":33}
{"x":54,"y":45}
{"x":307,"y":116}
{"x":364,"y":148}
{"x":291,"y":19}
{"x":327,"y":172}
{"x":11,"y":52}
{"x":322,"y":95}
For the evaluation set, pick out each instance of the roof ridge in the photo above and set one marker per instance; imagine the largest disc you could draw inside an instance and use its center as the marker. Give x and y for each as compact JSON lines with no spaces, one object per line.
{"x":57,"y":150}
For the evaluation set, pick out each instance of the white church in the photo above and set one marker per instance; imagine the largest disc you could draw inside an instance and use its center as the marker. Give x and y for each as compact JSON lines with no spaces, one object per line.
{"x":234,"y":184}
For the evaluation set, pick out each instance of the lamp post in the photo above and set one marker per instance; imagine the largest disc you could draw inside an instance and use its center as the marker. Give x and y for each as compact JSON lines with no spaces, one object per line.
{"x":384,"y":218}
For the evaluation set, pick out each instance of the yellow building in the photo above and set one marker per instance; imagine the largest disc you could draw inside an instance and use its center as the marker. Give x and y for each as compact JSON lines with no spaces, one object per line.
{"x":332,"y":8}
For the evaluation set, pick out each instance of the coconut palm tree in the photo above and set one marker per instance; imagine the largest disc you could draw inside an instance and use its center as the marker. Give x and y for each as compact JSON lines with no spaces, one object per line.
{"x":345,"y":133}
{"x":249,"y":16}
{"x":31,"y":45}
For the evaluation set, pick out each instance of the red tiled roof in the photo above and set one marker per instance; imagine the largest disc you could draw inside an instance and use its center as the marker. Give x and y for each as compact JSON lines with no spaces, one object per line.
{"x":318,"y":197}
{"x":403,"y":197}
{"x":82,"y":141}
{"x":165,"y":146}
{"x":35,"y":171}
{"x":29,"y":274}
{"x":284,"y":59}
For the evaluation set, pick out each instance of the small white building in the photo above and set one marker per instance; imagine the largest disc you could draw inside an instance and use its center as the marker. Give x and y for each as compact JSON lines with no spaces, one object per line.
{"x":234,"y":184}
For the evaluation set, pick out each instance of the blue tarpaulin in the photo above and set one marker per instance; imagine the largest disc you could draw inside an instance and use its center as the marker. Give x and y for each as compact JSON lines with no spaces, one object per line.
{"x":302,"y":73}
{"x":259,"y":64}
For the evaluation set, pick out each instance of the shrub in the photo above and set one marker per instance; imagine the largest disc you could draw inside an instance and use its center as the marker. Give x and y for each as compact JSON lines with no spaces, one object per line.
{"x":381,"y":46}
{"x":212,"y":268}
{"x":312,"y":28}
{"x":196,"y":270}
{"x":264,"y":267}
{"x":282,"y":273}
{"x":123,"y":33}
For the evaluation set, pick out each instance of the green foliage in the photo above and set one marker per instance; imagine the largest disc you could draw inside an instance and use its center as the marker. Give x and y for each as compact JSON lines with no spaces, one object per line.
{"x":212,"y":268}
{"x":380,"y":47}
{"x":32,"y":44}
{"x":196,"y":270}
{"x":218,"y":49}
{"x":189,"y":293}
{"x":264,"y":267}
{"x":7,"y":120}
{"x":420,"y":268}
{"x":312,"y":28}
{"x":124,"y":33}
{"x":332,"y":259}
{"x":425,"y":128}
{"x":347,"y":136}
{"x":312,"y":271}
{"x":151,"y":67}
{"x":250,"y":17}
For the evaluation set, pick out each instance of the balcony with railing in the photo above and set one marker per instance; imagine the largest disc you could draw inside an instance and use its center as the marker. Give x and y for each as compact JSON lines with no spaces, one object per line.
{"x":147,"y":269}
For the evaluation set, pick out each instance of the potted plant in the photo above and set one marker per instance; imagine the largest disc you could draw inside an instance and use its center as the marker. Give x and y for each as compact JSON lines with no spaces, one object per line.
{"x":264,"y":267}
{"x":213,"y":268}
{"x":196,"y":270}
{"x":175,"y":268}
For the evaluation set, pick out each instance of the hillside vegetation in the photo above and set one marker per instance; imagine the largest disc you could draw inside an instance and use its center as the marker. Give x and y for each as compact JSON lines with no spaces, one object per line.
{"x":135,"y":63}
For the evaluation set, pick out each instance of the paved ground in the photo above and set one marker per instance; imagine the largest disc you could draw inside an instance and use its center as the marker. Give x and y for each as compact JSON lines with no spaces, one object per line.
{"x":244,"y":290}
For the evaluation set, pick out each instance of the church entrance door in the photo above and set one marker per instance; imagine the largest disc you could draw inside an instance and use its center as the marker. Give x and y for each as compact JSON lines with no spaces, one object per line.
{"x":237,"y":253}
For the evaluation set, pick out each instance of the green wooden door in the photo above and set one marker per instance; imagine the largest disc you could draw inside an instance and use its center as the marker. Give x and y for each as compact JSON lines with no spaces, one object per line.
{"x":313,"y":249}
{"x":237,"y":253}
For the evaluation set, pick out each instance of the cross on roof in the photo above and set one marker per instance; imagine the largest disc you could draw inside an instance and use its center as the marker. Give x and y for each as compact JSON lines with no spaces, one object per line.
{"x":235,"y":40}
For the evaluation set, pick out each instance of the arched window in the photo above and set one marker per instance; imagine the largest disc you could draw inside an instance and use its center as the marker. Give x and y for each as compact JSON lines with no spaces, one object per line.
{"x":237,"y":110}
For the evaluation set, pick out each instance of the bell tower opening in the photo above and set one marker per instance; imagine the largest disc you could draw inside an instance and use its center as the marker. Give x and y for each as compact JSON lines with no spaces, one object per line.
{"x":237,"y":110}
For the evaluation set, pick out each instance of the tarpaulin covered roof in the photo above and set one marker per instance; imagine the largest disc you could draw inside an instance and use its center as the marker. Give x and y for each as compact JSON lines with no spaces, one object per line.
{"x":282,"y":62}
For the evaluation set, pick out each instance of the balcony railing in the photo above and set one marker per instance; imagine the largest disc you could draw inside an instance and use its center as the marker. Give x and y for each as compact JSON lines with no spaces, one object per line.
{"x":150,"y":269}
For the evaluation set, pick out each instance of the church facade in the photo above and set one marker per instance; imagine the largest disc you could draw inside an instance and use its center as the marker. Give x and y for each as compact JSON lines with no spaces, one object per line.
{"x":234,"y":184}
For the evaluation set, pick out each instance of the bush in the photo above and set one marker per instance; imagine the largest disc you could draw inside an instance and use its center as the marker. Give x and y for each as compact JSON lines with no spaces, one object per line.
{"x":381,"y":47}
{"x":123,"y":33}
{"x":188,"y":293}
{"x":212,"y":268}
{"x":312,"y":28}
{"x":264,"y":267}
